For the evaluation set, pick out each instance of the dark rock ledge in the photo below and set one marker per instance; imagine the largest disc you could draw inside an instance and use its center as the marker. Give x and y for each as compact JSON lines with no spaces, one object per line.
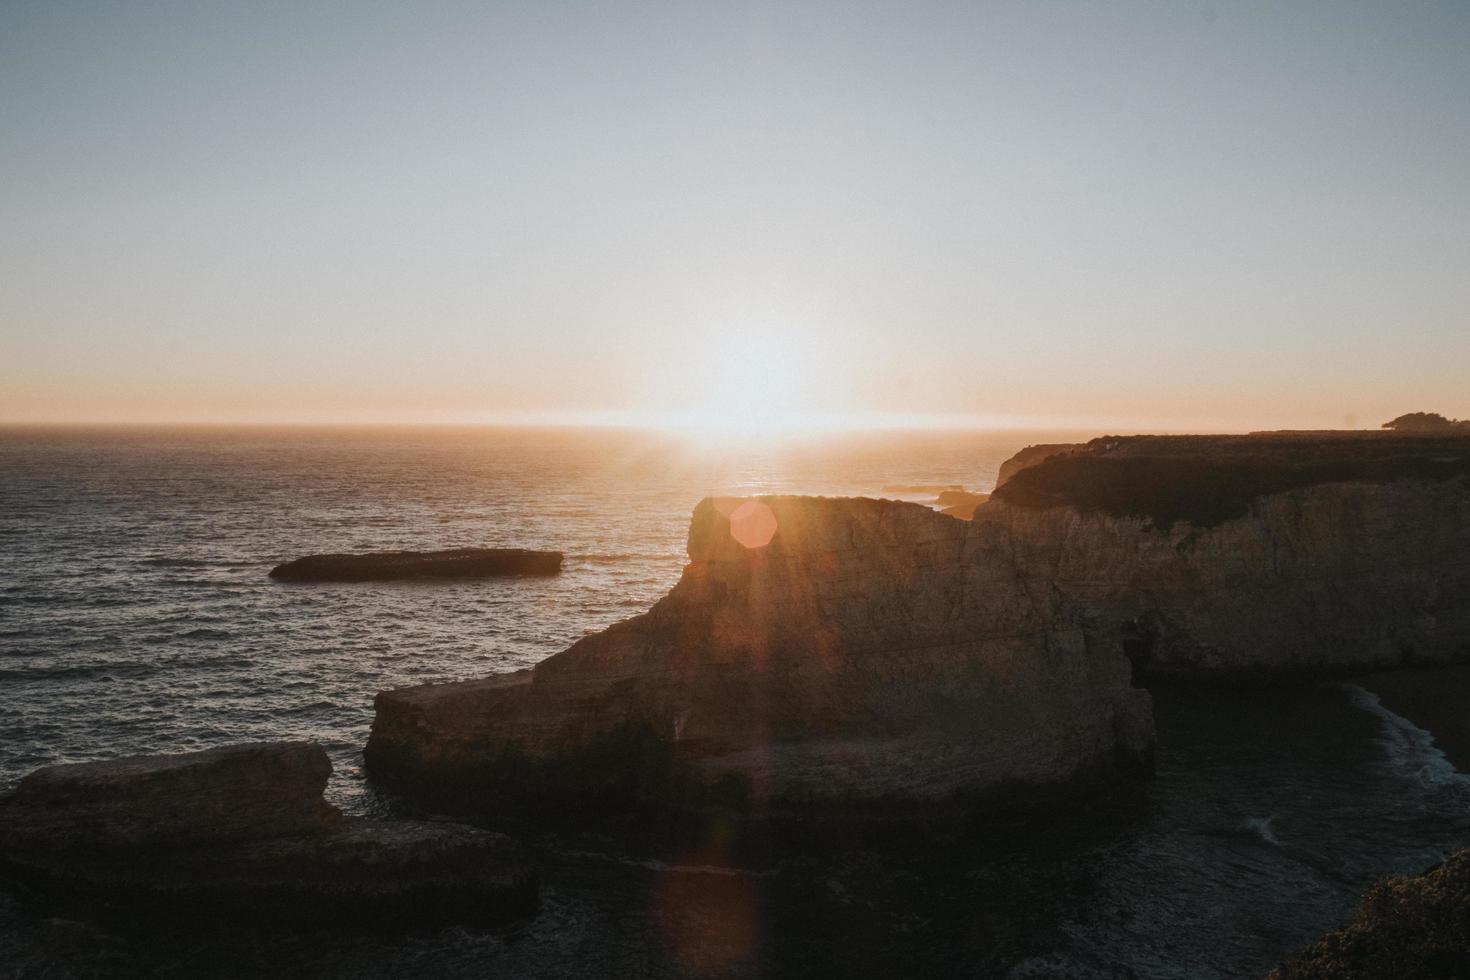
{"x":1414,"y":928}
{"x":243,"y":830}
{"x":379,"y":566}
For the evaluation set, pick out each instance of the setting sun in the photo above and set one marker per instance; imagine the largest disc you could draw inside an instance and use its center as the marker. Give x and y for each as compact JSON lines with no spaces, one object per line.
{"x":756,"y":385}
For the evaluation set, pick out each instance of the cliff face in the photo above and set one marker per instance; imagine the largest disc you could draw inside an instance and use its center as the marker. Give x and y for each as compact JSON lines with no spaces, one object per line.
{"x":1272,"y":556}
{"x":871,"y":655}
{"x":860,"y":653}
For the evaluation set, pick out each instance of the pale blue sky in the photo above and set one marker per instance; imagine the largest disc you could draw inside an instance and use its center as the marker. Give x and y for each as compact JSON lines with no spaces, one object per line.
{"x":1179,"y":214}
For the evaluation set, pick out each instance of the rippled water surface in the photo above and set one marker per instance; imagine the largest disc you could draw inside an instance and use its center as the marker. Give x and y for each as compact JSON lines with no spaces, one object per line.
{"x":136,"y":616}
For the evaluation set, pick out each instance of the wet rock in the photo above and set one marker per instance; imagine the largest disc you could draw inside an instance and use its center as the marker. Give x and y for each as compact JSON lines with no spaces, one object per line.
{"x":388,"y":565}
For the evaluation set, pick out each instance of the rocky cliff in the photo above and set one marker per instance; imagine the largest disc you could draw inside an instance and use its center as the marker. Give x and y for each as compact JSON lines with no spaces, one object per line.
{"x":1033,"y":456}
{"x":859,"y":655}
{"x":864,"y":654}
{"x":1255,"y":556}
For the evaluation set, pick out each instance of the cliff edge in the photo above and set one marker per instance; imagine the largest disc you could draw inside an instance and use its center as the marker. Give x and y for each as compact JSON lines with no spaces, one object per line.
{"x":869,"y":656}
{"x":859,"y":655}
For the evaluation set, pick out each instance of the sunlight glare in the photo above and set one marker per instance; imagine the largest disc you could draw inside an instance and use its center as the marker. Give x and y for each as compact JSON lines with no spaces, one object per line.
{"x":755,"y":384}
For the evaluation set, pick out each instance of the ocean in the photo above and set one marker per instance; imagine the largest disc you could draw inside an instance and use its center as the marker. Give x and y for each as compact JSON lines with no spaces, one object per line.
{"x":136,"y":616}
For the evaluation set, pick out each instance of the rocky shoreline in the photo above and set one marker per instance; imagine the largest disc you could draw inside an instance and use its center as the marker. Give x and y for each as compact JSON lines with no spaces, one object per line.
{"x":242,"y":830}
{"x":828,"y":660}
{"x":874,"y":656}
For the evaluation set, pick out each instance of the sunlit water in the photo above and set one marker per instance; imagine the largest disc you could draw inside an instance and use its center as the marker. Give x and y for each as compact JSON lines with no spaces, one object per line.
{"x":135,"y":616}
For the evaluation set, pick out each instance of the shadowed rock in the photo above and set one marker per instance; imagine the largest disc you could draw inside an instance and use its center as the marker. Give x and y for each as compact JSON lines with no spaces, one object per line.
{"x":873,"y":658}
{"x":961,"y":505}
{"x":1032,"y":456}
{"x":232,"y":793}
{"x":243,"y":831}
{"x":1414,"y":928}
{"x":386,"y":565}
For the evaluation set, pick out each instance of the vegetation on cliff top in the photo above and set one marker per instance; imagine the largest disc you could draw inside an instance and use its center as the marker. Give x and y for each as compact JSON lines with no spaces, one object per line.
{"x":1426,"y":422}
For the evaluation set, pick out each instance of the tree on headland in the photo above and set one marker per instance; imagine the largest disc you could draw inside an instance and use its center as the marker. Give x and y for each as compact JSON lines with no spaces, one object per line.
{"x":1425,"y":422}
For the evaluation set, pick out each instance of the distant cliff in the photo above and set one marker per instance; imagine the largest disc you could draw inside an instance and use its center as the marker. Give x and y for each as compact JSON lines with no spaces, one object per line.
{"x":872,"y":655}
{"x":1032,"y":456}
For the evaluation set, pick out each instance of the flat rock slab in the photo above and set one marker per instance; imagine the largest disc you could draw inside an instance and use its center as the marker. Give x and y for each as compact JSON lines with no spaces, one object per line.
{"x":232,"y":793}
{"x":243,"y":831}
{"x":380,"y":566}
{"x":362,"y":873}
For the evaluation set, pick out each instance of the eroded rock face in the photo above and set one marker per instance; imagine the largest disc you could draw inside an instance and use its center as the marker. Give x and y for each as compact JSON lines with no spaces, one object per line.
{"x":232,"y":793}
{"x":873,"y":656}
{"x":1257,"y":558}
{"x":243,"y":830}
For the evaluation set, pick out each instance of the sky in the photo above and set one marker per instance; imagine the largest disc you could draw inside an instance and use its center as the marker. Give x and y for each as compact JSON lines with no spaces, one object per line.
{"x":1117,"y":214}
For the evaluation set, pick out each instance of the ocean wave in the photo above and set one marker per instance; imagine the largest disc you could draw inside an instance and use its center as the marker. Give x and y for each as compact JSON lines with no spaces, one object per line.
{"x":620,"y":557}
{"x":1261,"y":827}
{"x":76,"y":671}
{"x":205,"y":633}
{"x":653,"y":864}
{"x":1409,"y":747}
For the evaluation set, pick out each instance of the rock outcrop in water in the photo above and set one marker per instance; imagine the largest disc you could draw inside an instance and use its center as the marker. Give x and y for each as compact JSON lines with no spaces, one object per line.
{"x":875,"y":655}
{"x":243,"y":830}
{"x":383,"y":566}
{"x":1406,"y":929}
